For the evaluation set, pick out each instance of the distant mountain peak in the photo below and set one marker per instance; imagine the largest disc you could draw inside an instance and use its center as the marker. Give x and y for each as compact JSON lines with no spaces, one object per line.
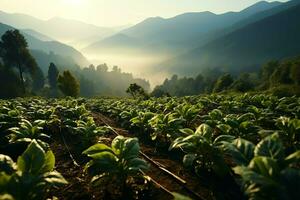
{"x":261,"y":5}
{"x":204,"y":14}
{"x":153,"y":19}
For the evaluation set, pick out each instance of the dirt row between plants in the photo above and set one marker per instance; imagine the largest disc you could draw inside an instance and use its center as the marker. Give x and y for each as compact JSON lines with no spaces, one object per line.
{"x":71,"y":165}
{"x":159,"y":163}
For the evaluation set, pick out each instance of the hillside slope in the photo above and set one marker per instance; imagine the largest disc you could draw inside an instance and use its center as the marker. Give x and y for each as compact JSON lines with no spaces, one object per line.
{"x":274,"y":37}
{"x":176,"y":34}
{"x":64,"y":30}
{"x":73,"y":56}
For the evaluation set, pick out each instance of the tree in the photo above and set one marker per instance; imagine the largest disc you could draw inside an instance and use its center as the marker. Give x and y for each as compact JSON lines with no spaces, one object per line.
{"x":15,"y":53}
{"x":102,"y":68}
{"x":116,"y":69}
{"x":281,"y":74}
{"x":268,"y":69}
{"x":243,"y":83}
{"x":92,"y":68}
{"x":158,"y":92}
{"x":295,"y":73}
{"x":223,"y":82}
{"x":52,"y":76}
{"x":199,"y":84}
{"x":10,"y":86}
{"x":87,"y":87}
{"x":68,"y":84}
{"x":135,"y":90}
{"x":38,"y":80}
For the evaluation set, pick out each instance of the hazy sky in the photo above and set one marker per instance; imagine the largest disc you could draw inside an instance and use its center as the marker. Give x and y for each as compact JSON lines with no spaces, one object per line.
{"x":118,"y":12}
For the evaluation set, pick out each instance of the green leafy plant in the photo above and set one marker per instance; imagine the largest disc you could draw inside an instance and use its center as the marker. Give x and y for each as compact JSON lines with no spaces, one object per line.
{"x":265,"y":170}
{"x":166,"y":128}
{"x":187,"y":112}
{"x":88,"y":131}
{"x":117,"y":163}
{"x":290,"y":129}
{"x":28,"y":131}
{"x":203,"y":153}
{"x":126,"y":116}
{"x":32,"y":176}
{"x":140,"y":122}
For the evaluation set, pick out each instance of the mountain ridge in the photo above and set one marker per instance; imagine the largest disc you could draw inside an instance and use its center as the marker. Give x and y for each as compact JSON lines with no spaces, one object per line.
{"x":49,"y":47}
{"x":274,"y":37}
{"x":156,"y":31}
{"x":64,"y":30}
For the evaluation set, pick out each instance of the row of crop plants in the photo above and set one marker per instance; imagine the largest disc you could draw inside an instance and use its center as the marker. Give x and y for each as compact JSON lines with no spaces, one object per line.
{"x":252,"y":139}
{"x":29,"y":126}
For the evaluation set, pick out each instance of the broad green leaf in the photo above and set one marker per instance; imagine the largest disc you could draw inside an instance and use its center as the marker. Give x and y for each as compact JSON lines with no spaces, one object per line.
{"x":175,"y":143}
{"x":49,"y":162}
{"x":103,"y":162}
{"x":265,"y":166}
{"x":270,"y":146}
{"x":32,"y":160}
{"x":117,"y":144}
{"x":232,"y":122}
{"x":224,"y":128}
{"x":242,"y":151}
{"x":97,"y":148}
{"x":250,"y":176}
{"x":223,"y":138}
{"x":293,"y":158}
{"x":137,"y":164}
{"x":176,"y":121}
{"x":131,"y":148}
{"x":265,"y":133}
{"x":187,"y":131}
{"x":7,"y":165}
{"x":216,"y":114}
{"x":205,"y":130}
{"x":246,"y":117}
{"x":54,"y":178}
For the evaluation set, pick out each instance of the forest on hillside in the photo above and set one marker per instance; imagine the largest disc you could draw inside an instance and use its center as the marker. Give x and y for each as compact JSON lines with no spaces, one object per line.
{"x":21,"y":75}
{"x":280,"y":78}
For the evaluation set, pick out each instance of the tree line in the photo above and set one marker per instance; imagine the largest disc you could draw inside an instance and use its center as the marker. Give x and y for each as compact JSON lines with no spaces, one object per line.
{"x":99,"y":80}
{"x":21,"y":76}
{"x":280,"y":78}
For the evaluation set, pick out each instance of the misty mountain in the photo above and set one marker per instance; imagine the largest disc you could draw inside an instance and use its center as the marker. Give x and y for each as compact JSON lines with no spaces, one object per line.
{"x":273,"y":37}
{"x":37,"y":35}
{"x":68,"y":55}
{"x":67,"y":31}
{"x":44,"y":59}
{"x":177,"y":34}
{"x":117,"y":43}
{"x":267,"y":13}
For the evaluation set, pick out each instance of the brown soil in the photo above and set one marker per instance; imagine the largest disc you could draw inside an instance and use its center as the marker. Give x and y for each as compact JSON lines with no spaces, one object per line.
{"x":79,"y":184}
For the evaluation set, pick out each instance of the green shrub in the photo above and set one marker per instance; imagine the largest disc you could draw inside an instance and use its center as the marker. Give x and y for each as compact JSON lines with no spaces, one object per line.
{"x":285,"y":90}
{"x":31,"y":177}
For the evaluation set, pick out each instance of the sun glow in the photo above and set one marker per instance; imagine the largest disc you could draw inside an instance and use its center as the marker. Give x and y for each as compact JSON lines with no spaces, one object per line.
{"x":73,"y":2}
